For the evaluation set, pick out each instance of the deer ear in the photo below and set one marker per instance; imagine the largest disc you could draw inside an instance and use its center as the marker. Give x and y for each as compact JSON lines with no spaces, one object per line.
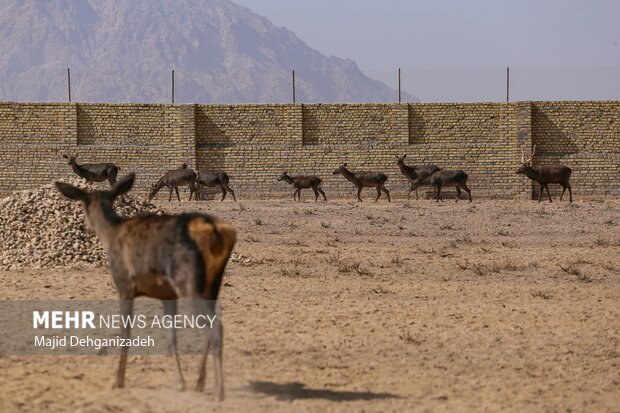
{"x":72,"y":192}
{"x":404,"y":156}
{"x":344,"y":164}
{"x":123,"y":186}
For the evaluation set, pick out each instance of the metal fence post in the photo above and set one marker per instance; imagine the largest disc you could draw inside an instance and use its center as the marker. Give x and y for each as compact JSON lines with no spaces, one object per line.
{"x":508,"y":84}
{"x":173,"y":86}
{"x":399,"y":98}
{"x":294,"y":98}
{"x":69,"y":83}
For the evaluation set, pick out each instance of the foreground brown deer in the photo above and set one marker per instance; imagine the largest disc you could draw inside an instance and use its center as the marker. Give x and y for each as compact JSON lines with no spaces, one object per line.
{"x":173,"y":179}
{"x":417,"y":175}
{"x":302,"y":182}
{"x":93,"y":172}
{"x":457,"y":179}
{"x":546,"y":175}
{"x":365,"y":180}
{"x":167,"y":257}
{"x":211,"y":180}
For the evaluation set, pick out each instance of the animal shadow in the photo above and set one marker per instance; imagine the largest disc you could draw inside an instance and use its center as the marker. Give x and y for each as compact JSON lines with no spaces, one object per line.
{"x":297,"y":391}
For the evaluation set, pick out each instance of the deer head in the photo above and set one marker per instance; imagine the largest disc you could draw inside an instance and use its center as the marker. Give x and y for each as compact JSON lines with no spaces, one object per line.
{"x":153,"y":191}
{"x":526,"y":163}
{"x":341,"y":169}
{"x":70,"y":159}
{"x":283,"y":176}
{"x":98,"y":204}
{"x":400,"y":160}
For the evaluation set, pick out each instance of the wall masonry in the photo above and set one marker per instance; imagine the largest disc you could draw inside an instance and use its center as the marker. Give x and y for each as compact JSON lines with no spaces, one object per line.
{"x":255,"y":143}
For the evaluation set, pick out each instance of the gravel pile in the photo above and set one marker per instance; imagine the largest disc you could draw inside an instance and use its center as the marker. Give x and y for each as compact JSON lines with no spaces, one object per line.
{"x":43,"y":229}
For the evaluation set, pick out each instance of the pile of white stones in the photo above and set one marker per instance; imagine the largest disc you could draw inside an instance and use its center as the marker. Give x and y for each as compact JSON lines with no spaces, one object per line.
{"x":40,"y":228}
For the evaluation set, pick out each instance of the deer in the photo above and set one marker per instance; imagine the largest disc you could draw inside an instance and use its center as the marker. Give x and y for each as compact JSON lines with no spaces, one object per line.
{"x":165,"y":257}
{"x":93,"y":172}
{"x":546,"y":175}
{"x":302,"y":182}
{"x":456,"y":178}
{"x":214,"y":179}
{"x":417,"y":175}
{"x":365,"y":180}
{"x":173,"y":179}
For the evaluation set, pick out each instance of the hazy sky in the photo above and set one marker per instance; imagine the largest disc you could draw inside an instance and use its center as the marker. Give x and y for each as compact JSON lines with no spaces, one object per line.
{"x":454,"y":33}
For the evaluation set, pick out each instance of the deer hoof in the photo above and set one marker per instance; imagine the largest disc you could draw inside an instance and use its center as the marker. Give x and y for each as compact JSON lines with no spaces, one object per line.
{"x":118,"y":385}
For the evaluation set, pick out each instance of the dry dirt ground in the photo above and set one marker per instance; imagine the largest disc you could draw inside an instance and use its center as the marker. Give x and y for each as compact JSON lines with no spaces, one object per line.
{"x":408,"y":306}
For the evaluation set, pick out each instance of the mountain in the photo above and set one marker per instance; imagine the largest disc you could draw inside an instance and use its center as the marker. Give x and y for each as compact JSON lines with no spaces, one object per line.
{"x":124,"y":50}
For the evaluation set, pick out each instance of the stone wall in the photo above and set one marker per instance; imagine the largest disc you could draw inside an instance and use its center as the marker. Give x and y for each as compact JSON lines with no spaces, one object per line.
{"x":255,"y":143}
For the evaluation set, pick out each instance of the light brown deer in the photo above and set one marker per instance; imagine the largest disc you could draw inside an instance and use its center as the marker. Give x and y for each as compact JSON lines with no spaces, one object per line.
{"x":93,"y":172}
{"x":166,"y":257}
{"x":417,"y":175}
{"x":302,"y":182}
{"x":365,"y":180}
{"x":173,"y":179}
{"x":546,"y":175}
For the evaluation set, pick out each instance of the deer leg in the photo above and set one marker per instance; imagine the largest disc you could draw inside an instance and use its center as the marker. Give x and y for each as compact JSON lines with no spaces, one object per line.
{"x":299,"y":195}
{"x":547,"y":187}
{"x":468,"y":191}
{"x":322,"y":193}
{"x":232,"y":193}
{"x":384,"y":189}
{"x":378,"y":193}
{"x":218,"y":367}
{"x":176,"y":189}
{"x":563,"y":190}
{"x":570,"y":193}
{"x":170,"y":309}
{"x":170,"y":197}
{"x":214,"y":342}
{"x":359,"y":191}
{"x":192,"y":189}
{"x":126,"y":312}
{"x":223,"y":194}
{"x":542,"y":188}
{"x":316,"y":194}
{"x":458,"y":193}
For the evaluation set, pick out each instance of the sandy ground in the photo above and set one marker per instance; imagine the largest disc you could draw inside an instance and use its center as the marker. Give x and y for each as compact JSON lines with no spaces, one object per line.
{"x":408,"y":306}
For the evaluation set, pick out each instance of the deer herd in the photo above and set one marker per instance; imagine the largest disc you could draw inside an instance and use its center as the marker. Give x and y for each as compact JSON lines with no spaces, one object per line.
{"x":172,"y":257}
{"x":417,"y":176}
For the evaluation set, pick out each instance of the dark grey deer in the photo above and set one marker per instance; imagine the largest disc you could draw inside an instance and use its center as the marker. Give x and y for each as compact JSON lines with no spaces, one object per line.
{"x":302,"y":182}
{"x":417,"y":175}
{"x":546,"y":175}
{"x":166,"y":257}
{"x":93,"y":172}
{"x":457,"y":179}
{"x":365,"y":180}
{"x":211,"y":180}
{"x":173,"y":179}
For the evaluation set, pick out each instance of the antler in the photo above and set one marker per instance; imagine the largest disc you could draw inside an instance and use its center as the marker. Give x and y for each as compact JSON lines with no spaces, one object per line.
{"x":522,"y":155}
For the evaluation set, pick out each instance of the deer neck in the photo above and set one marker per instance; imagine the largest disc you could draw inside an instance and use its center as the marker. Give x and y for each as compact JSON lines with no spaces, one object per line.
{"x":348,"y":175}
{"x":104,"y":221}
{"x":76,"y":168}
{"x":532,"y":173}
{"x":289,"y":179}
